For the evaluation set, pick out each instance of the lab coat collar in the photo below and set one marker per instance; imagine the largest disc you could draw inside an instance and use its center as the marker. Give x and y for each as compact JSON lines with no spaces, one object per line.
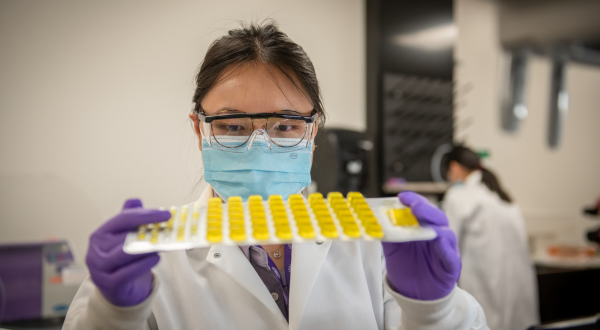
{"x":232,"y":261}
{"x":473,"y":178}
{"x":207,"y":194}
{"x":307,"y":259}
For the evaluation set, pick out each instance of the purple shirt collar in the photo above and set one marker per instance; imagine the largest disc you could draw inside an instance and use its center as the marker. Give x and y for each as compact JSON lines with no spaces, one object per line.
{"x":259,"y":258}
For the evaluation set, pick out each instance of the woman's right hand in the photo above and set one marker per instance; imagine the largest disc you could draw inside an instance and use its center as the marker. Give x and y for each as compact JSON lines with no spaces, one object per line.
{"x":124,"y":279}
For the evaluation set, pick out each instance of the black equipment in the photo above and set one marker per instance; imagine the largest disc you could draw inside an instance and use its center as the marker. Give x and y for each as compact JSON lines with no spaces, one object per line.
{"x":340,"y":161}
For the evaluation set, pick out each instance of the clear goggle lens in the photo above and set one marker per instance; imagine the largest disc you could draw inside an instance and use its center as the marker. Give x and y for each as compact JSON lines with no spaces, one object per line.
{"x":289,"y":131}
{"x":238,"y":138}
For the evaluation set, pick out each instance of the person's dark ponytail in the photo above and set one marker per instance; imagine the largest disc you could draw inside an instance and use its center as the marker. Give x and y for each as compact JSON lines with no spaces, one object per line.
{"x":489,"y":180}
{"x":470,"y":160}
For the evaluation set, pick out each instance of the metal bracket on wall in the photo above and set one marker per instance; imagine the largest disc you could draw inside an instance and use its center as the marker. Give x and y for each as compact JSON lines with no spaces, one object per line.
{"x":513,"y":109}
{"x":559,"y":102}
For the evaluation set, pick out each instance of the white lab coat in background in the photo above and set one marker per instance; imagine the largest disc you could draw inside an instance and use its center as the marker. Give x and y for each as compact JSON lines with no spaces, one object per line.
{"x":497,"y":269}
{"x":336,"y":285}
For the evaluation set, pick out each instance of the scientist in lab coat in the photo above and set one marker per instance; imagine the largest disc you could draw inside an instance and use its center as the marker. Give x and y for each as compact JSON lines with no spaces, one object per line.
{"x":497,"y":269}
{"x":256,"y":108}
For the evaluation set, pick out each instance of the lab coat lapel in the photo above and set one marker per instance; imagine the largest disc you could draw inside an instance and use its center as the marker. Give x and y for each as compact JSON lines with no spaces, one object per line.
{"x":232,"y":261}
{"x":307,"y":259}
{"x":206,"y":195}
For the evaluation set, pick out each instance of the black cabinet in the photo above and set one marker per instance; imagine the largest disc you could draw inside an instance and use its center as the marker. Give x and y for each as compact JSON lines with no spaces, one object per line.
{"x":409,"y":87}
{"x":568,"y":293}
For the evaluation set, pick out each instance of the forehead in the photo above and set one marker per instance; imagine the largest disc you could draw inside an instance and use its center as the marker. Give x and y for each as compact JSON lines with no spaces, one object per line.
{"x":254,"y":88}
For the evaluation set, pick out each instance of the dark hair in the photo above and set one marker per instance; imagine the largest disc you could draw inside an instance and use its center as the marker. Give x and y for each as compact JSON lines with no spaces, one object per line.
{"x":470,"y":160}
{"x":263,"y":43}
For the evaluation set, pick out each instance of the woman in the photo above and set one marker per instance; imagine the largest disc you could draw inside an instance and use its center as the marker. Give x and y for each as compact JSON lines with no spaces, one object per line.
{"x":491,"y":233}
{"x":257,"y":103}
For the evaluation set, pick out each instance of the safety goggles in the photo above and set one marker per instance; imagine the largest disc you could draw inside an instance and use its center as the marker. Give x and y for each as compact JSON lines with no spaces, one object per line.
{"x":236,"y":131}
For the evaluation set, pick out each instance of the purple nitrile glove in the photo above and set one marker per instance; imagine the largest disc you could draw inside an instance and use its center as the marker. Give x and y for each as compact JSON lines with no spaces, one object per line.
{"x":124,"y":279}
{"x":424,"y":270}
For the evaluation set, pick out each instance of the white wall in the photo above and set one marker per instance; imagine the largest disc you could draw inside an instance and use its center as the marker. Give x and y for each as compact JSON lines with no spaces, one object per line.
{"x":551,"y":185}
{"x":94,"y":98}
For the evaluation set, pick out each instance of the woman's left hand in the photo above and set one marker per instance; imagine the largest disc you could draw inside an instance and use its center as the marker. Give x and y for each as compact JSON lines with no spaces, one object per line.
{"x":424,"y":270}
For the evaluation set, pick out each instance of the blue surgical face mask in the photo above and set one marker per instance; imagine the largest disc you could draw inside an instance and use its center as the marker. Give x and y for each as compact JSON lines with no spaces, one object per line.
{"x":258,"y":171}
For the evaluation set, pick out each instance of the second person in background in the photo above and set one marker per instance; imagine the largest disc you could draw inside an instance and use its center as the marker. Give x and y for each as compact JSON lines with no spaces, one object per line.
{"x":497,"y":269}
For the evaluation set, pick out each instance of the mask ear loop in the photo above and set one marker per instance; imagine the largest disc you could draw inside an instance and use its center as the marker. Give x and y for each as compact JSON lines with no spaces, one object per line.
{"x":311,"y":137}
{"x":312,"y":130}
{"x":206,"y":127}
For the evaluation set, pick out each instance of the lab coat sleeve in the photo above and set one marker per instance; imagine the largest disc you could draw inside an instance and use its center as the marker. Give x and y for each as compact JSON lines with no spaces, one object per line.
{"x":391,"y":309}
{"x":458,"y":310}
{"x":90,"y":310}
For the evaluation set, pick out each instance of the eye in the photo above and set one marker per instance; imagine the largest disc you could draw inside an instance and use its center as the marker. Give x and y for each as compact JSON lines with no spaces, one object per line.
{"x":230,"y":127}
{"x":286,"y":128}
{"x":234,"y":128}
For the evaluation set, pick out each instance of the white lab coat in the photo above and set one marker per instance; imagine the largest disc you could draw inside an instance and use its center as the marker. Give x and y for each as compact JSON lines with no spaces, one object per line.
{"x":497,"y":269}
{"x":336,"y":285}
